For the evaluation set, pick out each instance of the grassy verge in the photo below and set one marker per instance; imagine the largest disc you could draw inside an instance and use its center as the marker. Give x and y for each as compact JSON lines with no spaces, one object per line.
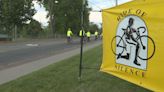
{"x":63,"y":77}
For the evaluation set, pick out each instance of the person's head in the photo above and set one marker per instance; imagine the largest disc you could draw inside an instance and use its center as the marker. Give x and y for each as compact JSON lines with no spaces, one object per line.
{"x":131,"y":21}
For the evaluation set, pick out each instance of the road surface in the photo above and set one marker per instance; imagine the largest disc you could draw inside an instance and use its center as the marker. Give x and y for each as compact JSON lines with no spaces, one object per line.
{"x":14,"y":54}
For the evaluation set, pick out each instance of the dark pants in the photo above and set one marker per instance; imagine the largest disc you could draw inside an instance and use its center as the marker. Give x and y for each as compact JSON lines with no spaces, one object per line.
{"x":68,"y":39}
{"x":88,"y":39}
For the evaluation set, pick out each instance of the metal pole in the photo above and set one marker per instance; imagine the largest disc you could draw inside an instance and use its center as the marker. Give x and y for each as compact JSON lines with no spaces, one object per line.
{"x":116,"y":2}
{"x":82,"y":37}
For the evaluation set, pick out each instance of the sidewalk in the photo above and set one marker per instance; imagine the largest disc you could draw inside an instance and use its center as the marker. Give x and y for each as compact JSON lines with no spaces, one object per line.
{"x":18,"y":71}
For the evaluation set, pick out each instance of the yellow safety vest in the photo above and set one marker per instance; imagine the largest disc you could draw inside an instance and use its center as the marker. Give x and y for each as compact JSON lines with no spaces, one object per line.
{"x":88,"y":34}
{"x":80,"y":33}
{"x":96,"y":33}
{"x":69,"y":33}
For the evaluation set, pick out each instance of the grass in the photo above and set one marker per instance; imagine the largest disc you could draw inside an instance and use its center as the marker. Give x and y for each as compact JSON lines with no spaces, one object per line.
{"x":63,"y":77}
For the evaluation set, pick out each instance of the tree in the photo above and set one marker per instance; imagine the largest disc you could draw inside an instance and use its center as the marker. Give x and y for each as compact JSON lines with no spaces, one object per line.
{"x":34,"y":28}
{"x":93,"y":27}
{"x":15,"y":13}
{"x":0,"y":15}
{"x":66,"y":14}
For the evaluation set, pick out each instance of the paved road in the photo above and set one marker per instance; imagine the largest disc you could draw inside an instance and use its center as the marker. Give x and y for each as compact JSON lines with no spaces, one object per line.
{"x":13,"y":73}
{"x":20,"y":53}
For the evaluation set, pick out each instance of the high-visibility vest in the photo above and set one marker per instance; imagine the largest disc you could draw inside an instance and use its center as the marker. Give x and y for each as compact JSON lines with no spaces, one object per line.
{"x":69,"y":33}
{"x":80,"y":33}
{"x":88,"y":34}
{"x":96,"y":33}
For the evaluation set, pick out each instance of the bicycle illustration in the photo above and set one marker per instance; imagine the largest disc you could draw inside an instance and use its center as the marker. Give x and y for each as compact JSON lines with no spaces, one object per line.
{"x":121,"y":42}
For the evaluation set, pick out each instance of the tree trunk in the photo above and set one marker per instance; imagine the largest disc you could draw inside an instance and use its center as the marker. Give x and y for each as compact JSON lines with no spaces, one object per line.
{"x":51,"y":19}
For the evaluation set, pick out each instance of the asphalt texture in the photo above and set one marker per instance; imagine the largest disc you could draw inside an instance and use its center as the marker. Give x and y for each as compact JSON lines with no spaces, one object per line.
{"x":20,"y":53}
{"x":12,"y":73}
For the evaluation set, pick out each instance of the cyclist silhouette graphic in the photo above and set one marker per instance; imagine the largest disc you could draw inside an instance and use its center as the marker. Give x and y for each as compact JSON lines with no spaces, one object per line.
{"x":130,"y":39}
{"x":131,"y":43}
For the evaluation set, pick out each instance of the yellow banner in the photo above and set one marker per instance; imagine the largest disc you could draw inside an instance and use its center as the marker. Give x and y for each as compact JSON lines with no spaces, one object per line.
{"x":133,"y":45}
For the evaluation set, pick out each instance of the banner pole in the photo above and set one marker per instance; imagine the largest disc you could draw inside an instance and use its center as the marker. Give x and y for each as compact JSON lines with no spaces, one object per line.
{"x":82,"y":37}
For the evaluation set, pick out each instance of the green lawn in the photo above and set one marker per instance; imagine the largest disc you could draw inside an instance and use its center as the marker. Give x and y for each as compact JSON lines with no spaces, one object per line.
{"x":63,"y":77}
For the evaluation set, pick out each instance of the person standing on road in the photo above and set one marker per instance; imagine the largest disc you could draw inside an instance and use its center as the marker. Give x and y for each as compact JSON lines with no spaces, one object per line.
{"x":69,"y":34}
{"x":88,"y":34}
{"x":96,"y":35}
